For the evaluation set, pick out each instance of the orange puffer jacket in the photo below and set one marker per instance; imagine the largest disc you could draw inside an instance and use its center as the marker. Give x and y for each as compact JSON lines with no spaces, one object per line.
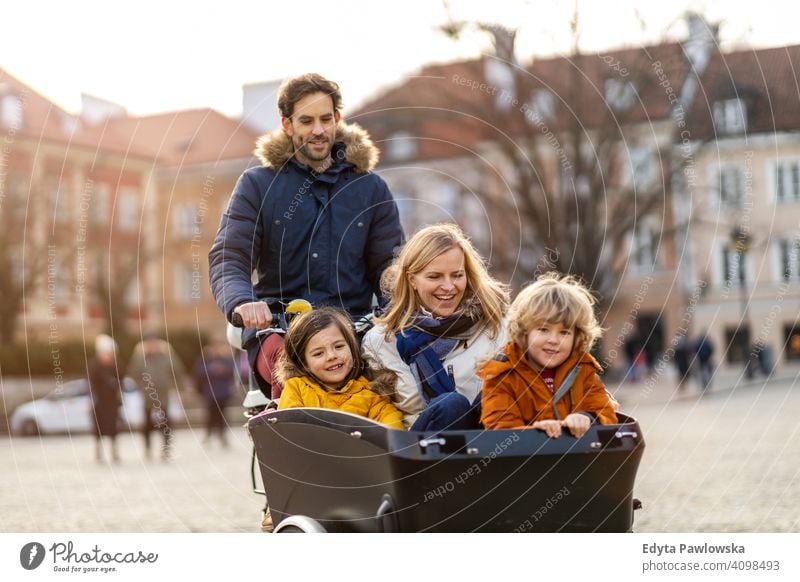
{"x":515,"y":396}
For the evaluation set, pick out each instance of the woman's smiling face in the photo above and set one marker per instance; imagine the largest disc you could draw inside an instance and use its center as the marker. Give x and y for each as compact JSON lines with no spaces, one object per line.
{"x":440,"y":286}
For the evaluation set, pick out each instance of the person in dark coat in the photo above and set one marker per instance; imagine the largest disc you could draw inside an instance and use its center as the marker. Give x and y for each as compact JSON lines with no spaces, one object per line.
{"x":313,"y":221}
{"x":105,"y":388}
{"x":681,"y":360}
{"x":704,"y":351}
{"x":214,"y":375}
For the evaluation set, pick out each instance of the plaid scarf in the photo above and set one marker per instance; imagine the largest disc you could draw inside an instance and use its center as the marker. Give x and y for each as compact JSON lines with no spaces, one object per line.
{"x":427,"y":341}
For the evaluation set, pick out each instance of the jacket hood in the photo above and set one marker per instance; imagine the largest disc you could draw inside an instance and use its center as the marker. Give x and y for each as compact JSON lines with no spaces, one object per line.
{"x":274,"y":149}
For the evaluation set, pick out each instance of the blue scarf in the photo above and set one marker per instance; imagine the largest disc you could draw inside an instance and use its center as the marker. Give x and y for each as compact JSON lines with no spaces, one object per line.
{"x":426,"y":343}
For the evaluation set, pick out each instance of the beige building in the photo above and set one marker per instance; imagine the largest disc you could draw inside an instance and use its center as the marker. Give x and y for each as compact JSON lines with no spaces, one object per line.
{"x":104,"y":212}
{"x":72,"y":203}
{"x":200,"y":155}
{"x":445,"y":156}
{"x":743,"y":239}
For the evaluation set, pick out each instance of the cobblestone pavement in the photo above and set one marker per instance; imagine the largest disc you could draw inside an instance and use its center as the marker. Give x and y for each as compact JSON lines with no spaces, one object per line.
{"x":54,"y":484}
{"x":727,"y":461}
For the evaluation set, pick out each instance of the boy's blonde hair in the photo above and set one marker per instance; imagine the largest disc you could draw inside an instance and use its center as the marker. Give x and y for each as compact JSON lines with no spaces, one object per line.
{"x":555,"y":298}
{"x":427,"y":244}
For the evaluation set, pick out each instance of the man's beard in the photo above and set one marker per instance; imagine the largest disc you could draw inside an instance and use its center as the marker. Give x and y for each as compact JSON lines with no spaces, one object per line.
{"x":304,"y":150}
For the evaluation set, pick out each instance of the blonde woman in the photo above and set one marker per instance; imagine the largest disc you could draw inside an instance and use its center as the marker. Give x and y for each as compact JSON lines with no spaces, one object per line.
{"x":445,"y":315}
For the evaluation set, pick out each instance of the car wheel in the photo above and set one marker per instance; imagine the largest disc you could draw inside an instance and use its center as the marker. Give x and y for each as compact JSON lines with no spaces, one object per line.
{"x":29,"y":428}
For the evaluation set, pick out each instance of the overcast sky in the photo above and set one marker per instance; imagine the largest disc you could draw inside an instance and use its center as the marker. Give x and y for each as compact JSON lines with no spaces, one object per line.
{"x":154,"y":55}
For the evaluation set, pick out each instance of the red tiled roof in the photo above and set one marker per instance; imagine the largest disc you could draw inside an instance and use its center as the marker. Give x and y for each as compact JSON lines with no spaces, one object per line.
{"x":459,"y":93}
{"x":187,"y":137}
{"x":767,"y":80}
{"x":44,"y":120}
{"x":176,"y":138}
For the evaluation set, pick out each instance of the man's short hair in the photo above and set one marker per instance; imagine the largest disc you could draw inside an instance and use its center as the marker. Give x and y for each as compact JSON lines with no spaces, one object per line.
{"x":293,"y":90}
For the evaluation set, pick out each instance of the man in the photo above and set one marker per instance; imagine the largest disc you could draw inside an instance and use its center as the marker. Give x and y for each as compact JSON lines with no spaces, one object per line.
{"x":156,"y":369}
{"x":312,"y":221}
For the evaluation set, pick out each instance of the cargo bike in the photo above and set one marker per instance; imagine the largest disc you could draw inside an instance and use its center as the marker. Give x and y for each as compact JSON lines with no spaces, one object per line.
{"x":326,"y":470}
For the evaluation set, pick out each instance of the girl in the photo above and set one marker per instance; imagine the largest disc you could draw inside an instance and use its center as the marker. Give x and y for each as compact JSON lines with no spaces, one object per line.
{"x":321,"y":366}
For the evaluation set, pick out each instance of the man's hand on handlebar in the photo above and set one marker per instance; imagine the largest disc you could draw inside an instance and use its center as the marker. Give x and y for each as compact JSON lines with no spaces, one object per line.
{"x":255,"y":314}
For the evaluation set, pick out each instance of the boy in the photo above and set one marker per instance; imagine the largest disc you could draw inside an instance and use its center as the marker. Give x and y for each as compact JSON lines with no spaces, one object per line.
{"x":552,"y":327}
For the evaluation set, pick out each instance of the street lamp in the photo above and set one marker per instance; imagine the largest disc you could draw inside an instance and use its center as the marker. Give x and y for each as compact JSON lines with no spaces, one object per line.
{"x":741,"y":242}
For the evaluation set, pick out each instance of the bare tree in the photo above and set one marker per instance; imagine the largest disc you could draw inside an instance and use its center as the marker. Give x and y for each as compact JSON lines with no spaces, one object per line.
{"x":23,"y":250}
{"x":582,"y":146}
{"x":115,"y":276}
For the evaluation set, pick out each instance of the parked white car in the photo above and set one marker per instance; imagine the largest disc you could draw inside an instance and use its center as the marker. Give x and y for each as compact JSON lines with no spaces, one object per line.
{"x":68,"y":409}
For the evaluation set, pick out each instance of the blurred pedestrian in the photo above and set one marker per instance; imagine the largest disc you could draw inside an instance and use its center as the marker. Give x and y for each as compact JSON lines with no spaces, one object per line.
{"x":105,"y":389}
{"x":635,"y":358}
{"x":214,"y":375}
{"x":759,"y":359}
{"x":681,"y":360}
{"x":156,"y":369}
{"x":704,"y":352}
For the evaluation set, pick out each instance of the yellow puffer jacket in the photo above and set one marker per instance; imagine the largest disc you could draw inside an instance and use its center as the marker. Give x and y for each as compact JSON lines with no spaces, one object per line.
{"x":355,"y":397}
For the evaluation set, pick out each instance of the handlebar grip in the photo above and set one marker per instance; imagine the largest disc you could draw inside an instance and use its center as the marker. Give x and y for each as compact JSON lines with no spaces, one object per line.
{"x":236,"y":319}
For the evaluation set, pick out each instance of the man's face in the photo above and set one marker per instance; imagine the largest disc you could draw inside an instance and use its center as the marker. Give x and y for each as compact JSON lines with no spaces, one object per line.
{"x":312,"y":128}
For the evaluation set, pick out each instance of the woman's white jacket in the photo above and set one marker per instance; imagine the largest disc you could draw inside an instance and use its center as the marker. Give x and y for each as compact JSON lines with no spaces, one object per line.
{"x":465,"y":359}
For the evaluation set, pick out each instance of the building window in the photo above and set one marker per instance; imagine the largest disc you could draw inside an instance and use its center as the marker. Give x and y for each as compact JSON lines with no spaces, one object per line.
{"x":787,"y":181}
{"x":101,"y":204}
{"x":789,"y":259}
{"x":542,"y":106}
{"x":11,"y":112}
{"x":184,"y":217}
{"x":730,"y":116}
{"x":128,"y":210}
{"x":734,"y":267}
{"x":60,"y":203}
{"x":620,"y":95}
{"x":644,"y":248}
{"x":133,"y":294}
{"x":500,"y":75}
{"x":401,"y":146}
{"x":186,"y":283}
{"x":640,"y":169}
{"x":731,"y":186}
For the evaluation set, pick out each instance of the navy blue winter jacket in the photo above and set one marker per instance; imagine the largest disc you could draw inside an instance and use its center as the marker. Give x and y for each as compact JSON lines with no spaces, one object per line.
{"x":323,"y":237}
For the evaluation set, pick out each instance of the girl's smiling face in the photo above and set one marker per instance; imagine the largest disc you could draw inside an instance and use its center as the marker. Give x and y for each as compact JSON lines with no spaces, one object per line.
{"x":327,"y":356}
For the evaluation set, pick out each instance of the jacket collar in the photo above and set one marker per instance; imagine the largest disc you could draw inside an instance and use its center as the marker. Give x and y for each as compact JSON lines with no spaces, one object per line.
{"x":513,"y":359}
{"x":352,"y":387}
{"x":353,"y":145}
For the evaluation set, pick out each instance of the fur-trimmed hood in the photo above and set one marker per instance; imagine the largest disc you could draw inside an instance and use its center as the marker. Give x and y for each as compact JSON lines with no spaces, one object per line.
{"x":274,"y":149}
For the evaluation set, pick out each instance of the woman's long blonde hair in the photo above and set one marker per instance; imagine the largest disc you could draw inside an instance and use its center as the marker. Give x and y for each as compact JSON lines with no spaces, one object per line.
{"x":427,"y":244}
